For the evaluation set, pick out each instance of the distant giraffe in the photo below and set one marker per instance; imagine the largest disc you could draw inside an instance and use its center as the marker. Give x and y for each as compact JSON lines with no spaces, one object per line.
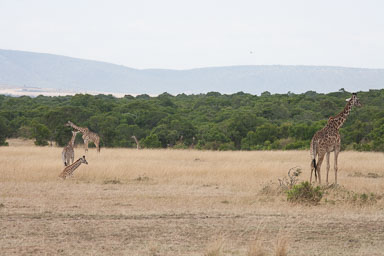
{"x":68,"y":154}
{"x":68,"y":171}
{"x":137,"y":142}
{"x":192,"y":146}
{"x":328,"y":139}
{"x":180,"y":141}
{"x":87,"y":135}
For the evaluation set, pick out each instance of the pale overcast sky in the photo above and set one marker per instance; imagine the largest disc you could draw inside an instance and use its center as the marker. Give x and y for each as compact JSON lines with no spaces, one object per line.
{"x":181,"y":34}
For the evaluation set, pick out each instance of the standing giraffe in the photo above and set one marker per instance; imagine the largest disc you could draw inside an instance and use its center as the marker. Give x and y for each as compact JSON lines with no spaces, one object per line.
{"x":68,"y":154}
{"x":87,"y":135}
{"x":192,"y":146}
{"x":137,"y":142}
{"x":68,"y":171}
{"x":328,"y":139}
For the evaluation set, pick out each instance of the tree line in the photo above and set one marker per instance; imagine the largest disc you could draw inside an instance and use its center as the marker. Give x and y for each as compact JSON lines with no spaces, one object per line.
{"x":210,"y":121}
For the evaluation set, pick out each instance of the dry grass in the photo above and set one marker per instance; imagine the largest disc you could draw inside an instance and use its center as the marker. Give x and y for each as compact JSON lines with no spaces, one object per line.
{"x":174,"y":202}
{"x":215,"y":248}
{"x":282,"y":246}
{"x":256,"y":249}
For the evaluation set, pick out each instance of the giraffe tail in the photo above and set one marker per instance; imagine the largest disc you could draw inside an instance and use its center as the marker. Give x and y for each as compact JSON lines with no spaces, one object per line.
{"x":313,"y":151}
{"x":64,"y":158}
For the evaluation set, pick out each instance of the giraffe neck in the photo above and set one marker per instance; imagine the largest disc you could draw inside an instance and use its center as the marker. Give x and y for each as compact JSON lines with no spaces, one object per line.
{"x":137,"y":142}
{"x":80,"y":129}
{"x":339,"y":119}
{"x":72,"y":141}
{"x":75,"y":164}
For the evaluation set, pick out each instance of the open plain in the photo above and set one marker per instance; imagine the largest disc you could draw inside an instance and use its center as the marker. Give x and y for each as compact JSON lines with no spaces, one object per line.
{"x":185,"y":202}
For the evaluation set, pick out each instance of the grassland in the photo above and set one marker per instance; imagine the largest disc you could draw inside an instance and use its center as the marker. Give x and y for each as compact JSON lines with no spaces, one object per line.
{"x":183,"y":202}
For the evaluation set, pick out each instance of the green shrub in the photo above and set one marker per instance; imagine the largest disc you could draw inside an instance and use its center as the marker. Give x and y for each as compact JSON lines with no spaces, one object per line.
{"x":304,"y":193}
{"x":41,"y":133}
{"x":151,"y":141}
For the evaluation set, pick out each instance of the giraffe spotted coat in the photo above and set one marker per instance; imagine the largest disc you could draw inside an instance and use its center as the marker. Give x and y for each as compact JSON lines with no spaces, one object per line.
{"x":328,"y":140}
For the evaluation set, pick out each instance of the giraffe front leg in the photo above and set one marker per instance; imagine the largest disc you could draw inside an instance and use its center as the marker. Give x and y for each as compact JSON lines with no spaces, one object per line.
{"x":97,"y":144}
{"x":328,"y":166}
{"x":335,"y":166}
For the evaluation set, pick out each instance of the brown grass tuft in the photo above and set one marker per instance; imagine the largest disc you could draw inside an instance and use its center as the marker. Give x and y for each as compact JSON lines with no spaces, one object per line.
{"x":256,"y":249}
{"x":281,"y":246}
{"x":215,"y":248}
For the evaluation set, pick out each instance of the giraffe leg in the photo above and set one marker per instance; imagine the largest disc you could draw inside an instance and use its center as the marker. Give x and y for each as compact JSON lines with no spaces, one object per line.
{"x":320,"y":161}
{"x":335,"y":165}
{"x":313,"y":168}
{"x":310,"y":179}
{"x":97,"y":146}
{"x":328,"y":166}
{"x":86,"y":145}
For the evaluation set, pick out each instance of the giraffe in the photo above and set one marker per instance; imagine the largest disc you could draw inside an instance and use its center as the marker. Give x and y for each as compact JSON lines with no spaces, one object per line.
{"x":180,"y":141}
{"x":137,"y":142}
{"x":68,"y":171}
{"x":87,"y":135}
{"x":68,"y":154}
{"x":192,"y":146}
{"x":328,"y":139}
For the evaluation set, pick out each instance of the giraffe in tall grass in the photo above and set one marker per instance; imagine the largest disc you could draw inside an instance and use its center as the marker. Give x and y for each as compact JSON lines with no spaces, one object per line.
{"x":68,"y":154}
{"x":87,"y":136}
{"x":68,"y":171}
{"x":137,"y":142}
{"x":328,"y":140}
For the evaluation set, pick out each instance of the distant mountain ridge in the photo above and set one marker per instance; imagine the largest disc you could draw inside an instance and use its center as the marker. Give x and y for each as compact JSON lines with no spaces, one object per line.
{"x":19,"y":68}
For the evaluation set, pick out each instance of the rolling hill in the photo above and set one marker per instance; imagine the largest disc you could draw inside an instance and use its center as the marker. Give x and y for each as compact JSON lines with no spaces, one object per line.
{"x":29,"y":69}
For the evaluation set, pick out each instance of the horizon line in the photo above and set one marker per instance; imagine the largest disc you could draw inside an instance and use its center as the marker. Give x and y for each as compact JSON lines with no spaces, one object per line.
{"x":195,"y":68}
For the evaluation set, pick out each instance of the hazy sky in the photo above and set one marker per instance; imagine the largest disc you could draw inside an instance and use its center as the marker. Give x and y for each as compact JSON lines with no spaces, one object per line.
{"x":199,"y":33}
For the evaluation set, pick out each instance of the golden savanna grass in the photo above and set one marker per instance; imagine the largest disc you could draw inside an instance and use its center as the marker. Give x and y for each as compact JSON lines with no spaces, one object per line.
{"x":184,"y":202}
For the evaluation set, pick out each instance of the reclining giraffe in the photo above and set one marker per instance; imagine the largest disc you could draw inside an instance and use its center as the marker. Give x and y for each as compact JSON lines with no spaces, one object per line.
{"x":68,"y":171}
{"x":87,"y":135}
{"x":328,"y":139}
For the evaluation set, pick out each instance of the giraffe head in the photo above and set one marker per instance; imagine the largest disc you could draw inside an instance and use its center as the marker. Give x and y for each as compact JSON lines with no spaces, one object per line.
{"x":74,"y":133}
{"x":69,"y":123}
{"x":83,"y":160}
{"x":354,"y":100}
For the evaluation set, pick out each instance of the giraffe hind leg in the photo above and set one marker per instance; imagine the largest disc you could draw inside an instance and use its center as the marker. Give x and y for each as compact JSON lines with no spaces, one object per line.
{"x":320,"y":160}
{"x":86,"y":145}
{"x":313,"y":168}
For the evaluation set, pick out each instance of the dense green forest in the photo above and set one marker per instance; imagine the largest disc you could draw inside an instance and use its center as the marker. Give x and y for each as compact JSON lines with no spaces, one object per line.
{"x":211,"y":121}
